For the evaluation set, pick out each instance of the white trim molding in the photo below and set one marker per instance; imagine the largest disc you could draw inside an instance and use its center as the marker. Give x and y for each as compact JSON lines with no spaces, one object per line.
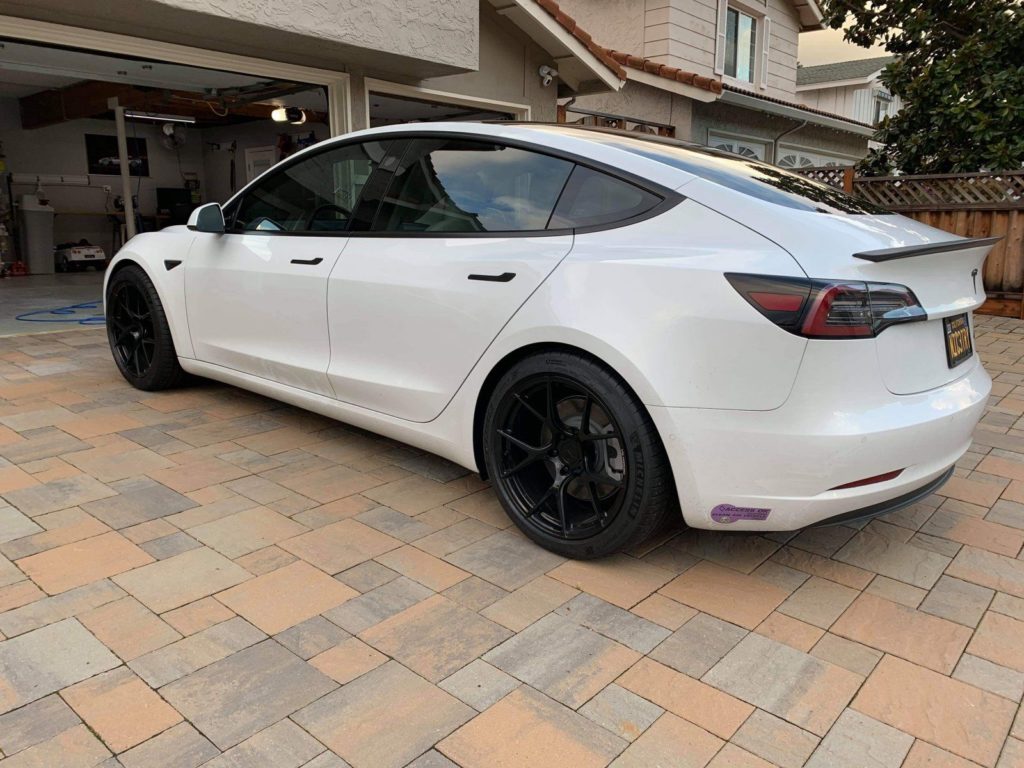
{"x":339,"y":100}
{"x":519,"y":111}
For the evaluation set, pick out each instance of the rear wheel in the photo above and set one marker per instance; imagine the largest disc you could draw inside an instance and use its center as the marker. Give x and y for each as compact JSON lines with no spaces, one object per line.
{"x":574,"y":457}
{"x":140,"y":338}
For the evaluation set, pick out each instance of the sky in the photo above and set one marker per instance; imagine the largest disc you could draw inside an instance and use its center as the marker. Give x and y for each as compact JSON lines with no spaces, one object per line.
{"x":827,"y":45}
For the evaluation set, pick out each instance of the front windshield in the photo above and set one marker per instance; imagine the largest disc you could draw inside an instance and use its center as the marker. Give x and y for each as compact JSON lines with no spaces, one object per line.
{"x":749,"y":177}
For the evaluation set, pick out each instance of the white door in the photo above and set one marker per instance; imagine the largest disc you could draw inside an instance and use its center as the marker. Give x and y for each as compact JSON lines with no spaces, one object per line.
{"x":258,"y":160}
{"x":256,"y":296}
{"x":457,"y":246}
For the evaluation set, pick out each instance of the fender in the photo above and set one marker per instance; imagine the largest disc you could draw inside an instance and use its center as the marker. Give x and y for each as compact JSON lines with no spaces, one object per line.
{"x":149,"y":251}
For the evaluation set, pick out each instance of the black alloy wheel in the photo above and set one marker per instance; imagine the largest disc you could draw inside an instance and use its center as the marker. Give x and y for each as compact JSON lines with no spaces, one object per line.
{"x":138,"y":332}
{"x":130,"y":319}
{"x":574,"y":458}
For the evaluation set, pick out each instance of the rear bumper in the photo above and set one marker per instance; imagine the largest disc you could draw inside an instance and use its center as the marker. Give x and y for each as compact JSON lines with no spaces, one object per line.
{"x":773,"y":470}
{"x":885,"y":507}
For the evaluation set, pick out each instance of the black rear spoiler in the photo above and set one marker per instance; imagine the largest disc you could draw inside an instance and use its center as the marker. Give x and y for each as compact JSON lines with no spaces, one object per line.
{"x":909,"y":251}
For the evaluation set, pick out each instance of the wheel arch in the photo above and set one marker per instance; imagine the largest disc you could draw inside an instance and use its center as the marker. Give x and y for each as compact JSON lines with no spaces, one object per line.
{"x":510,"y":359}
{"x":169,"y":286}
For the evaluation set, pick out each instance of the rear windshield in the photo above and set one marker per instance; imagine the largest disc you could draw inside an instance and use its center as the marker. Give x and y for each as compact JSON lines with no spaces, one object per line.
{"x":749,"y":177}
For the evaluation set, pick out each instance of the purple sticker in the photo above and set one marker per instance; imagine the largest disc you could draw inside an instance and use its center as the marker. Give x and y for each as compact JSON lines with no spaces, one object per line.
{"x":727,"y":513}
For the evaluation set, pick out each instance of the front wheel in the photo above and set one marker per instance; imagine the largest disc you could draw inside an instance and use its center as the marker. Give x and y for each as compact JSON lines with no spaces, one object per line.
{"x":140,"y":338}
{"x":574,"y":457}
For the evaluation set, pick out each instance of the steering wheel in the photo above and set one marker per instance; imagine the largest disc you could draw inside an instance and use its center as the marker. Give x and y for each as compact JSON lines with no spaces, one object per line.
{"x":327,"y":207}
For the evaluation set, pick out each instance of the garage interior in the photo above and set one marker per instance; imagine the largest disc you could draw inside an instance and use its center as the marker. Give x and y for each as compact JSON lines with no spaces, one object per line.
{"x":192,"y":136}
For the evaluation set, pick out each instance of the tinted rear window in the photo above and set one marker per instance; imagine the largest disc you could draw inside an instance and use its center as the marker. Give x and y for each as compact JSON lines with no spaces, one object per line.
{"x":593,"y":198}
{"x":749,"y":177}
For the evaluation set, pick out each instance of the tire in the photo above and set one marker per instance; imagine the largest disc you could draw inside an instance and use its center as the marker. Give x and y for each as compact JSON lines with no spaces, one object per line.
{"x":574,"y":457}
{"x":139,"y":336}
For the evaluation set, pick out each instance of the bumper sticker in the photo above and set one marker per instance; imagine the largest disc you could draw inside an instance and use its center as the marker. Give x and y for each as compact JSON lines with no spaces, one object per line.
{"x":727,"y":513}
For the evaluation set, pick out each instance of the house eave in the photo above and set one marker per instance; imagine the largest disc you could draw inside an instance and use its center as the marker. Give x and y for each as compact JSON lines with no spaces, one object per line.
{"x":578,"y":67}
{"x":839,"y":83}
{"x":749,"y":101}
{"x":672,"y":86}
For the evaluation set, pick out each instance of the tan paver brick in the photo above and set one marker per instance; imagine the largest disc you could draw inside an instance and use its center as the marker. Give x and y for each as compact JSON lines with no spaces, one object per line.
{"x":128,"y":628}
{"x":348,"y":660}
{"x":340,"y":545}
{"x":283,"y":598}
{"x":181,"y":579}
{"x":947,"y":713}
{"x":727,"y":594}
{"x":999,"y":639}
{"x":918,"y":637}
{"x":620,"y":579}
{"x":82,"y":562}
{"x":708,"y":707}
{"x":121,"y":708}
{"x":527,"y":728}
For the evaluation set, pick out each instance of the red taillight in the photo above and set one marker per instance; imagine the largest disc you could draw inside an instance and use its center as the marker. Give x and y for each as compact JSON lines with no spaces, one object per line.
{"x":839,"y":310}
{"x":828,"y":309}
{"x":869,"y":480}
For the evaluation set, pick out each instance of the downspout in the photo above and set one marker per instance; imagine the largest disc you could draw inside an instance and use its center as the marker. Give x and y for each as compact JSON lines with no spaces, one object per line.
{"x":780,"y":137}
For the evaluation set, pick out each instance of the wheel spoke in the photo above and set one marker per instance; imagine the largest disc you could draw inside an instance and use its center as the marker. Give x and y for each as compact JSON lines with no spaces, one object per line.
{"x":561,"y":507}
{"x":521,"y":444}
{"x":554,"y":421}
{"x":530,"y":459}
{"x":522,"y":401}
{"x":601,"y":514}
{"x":585,"y":418}
{"x":598,"y":436}
{"x":541,"y":501}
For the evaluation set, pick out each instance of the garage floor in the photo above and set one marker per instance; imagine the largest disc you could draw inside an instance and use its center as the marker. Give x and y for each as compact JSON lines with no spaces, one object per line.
{"x":205,"y":571}
{"x":36,"y":303}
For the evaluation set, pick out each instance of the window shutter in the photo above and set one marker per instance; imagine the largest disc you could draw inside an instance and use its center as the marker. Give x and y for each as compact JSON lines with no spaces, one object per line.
{"x":765,"y":48}
{"x":723,"y":8}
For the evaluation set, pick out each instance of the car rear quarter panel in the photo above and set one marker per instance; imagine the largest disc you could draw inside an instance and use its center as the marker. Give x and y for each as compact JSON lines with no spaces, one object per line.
{"x":149,"y":251}
{"x":650,"y":299}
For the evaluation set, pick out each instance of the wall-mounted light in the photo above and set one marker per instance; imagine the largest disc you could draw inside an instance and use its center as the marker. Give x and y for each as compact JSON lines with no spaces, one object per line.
{"x":158,"y":118}
{"x":292,"y":115}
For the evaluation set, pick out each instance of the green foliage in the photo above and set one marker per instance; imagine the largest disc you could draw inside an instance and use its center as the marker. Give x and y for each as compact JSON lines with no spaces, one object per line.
{"x":960,"y":73}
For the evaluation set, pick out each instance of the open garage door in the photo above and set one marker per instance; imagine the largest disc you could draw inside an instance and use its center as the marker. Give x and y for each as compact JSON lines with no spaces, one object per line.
{"x":95,"y":147}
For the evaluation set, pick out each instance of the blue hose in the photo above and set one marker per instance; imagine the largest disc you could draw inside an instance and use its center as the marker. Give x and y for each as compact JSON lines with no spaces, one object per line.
{"x":64,"y":315}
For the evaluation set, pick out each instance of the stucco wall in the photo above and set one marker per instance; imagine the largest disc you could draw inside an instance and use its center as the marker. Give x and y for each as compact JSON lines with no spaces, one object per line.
{"x":507,"y":72}
{"x":433,"y":36}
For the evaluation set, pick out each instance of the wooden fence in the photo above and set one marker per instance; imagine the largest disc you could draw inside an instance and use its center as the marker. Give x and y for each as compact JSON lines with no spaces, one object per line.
{"x":967,"y":204}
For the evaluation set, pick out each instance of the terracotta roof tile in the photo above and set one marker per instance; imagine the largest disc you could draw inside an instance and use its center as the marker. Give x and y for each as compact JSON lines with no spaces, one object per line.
{"x":616,"y":60}
{"x":661,"y":70}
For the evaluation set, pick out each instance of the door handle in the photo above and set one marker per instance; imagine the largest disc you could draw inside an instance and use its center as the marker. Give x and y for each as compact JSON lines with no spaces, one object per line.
{"x":504,"y":277}
{"x":307,"y":261}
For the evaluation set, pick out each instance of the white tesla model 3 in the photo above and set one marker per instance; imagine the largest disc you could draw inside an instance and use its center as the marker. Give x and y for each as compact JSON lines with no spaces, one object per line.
{"x":611,"y":327}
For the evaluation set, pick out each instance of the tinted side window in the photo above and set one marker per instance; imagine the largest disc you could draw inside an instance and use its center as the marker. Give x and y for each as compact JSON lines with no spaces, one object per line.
{"x":458,"y":185}
{"x":592,"y":197}
{"x":315,"y":194}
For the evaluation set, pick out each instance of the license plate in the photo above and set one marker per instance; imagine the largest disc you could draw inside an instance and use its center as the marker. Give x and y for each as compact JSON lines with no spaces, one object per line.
{"x":958,"y":339}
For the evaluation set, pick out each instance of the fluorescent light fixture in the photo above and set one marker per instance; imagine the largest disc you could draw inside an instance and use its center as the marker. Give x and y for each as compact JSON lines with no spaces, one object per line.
{"x":158,"y":118}
{"x":292,"y":115}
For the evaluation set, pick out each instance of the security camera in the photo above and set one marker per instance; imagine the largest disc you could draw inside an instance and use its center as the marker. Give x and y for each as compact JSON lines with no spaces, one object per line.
{"x":547,"y":75}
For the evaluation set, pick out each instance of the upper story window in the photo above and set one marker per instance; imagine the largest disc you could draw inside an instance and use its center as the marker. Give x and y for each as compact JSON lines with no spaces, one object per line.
{"x":740,"y":45}
{"x":883,"y":102}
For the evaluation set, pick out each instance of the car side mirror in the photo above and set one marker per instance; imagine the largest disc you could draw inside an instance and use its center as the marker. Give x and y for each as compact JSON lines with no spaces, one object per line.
{"x":207,"y":218}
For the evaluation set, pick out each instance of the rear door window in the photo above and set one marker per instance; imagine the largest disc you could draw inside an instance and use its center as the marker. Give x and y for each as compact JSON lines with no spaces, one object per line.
{"x":464,"y":185}
{"x":593,"y":198}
